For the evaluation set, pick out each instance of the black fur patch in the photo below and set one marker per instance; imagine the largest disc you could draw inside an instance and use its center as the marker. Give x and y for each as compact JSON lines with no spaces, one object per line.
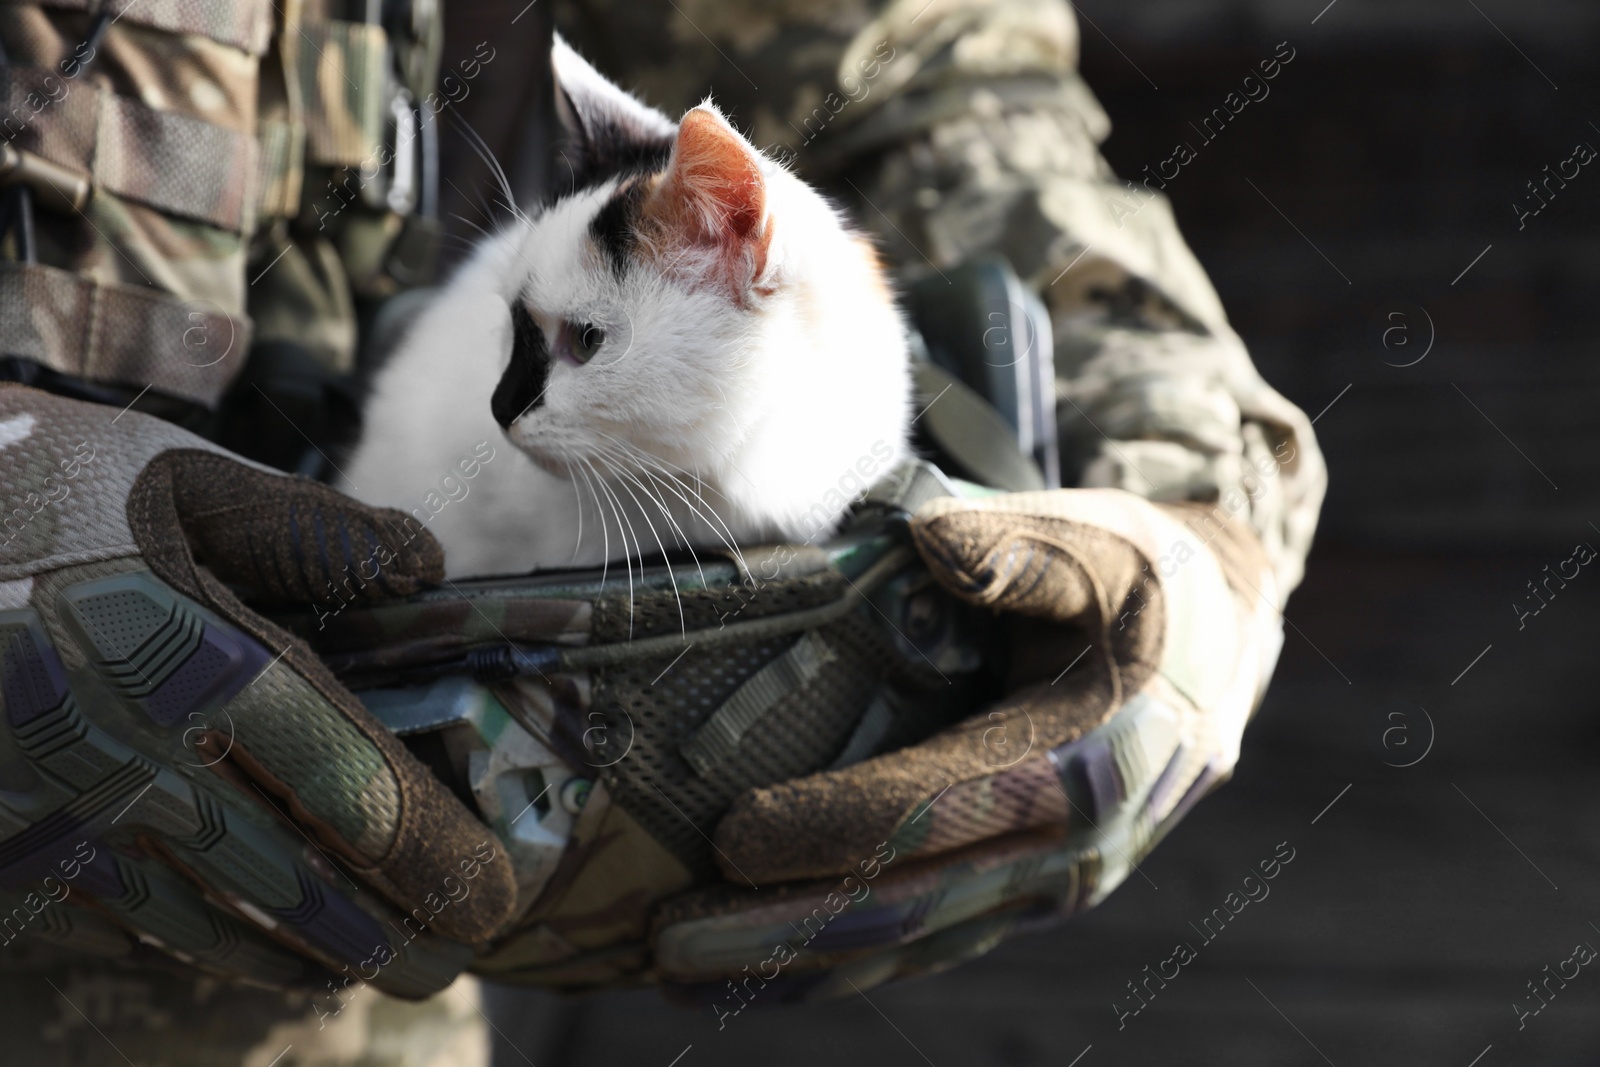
{"x":521,"y":388}
{"x":603,"y":147}
{"x":613,"y":228}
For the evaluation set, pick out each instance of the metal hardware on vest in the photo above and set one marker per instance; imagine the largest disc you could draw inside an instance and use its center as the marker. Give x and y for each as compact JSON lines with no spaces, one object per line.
{"x":26,"y":175}
{"x":401,"y":196}
{"x":56,"y":187}
{"x":496,"y":663}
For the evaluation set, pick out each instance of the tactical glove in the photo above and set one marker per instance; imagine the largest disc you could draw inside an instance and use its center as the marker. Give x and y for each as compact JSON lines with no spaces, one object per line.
{"x":177,"y":772}
{"x":1140,"y":637}
{"x":765,"y":771}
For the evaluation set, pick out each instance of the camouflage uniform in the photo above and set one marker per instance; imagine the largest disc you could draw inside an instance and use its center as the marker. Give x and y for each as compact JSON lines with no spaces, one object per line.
{"x":69,"y":1012}
{"x":950,"y":127}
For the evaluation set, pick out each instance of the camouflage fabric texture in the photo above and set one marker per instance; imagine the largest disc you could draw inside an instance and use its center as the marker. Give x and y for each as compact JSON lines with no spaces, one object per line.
{"x":179,"y":771}
{"x":118,"y":277}
{"x":950,"y":128}
{"x":63,"y":1010}
{"x":206,"y":176}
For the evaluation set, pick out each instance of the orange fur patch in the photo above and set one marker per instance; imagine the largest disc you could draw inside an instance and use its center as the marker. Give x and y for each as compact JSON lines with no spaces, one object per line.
{"x":879,"y":278}
{"x":713,"y":198}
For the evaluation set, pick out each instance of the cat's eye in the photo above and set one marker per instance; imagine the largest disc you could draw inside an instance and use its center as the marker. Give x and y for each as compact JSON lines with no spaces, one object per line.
{"x":586,"y":340}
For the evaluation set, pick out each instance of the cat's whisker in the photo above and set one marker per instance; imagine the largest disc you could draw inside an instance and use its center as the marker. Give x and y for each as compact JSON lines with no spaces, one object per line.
{"x":661,"y":463}
{"x":619,"y":466}
{"x":623,"y":529}
{"x":616,"y":456}
{"x":647,"y":459}
{"x":733,"y":548}
{"x":578,"y":495}
{"x":605,"y":533}
{"x":481,"y":148}
{"x":674,"y":485}
{"x":462,"y":218}
{"x":572,"y":172}
{"x":715,"y":523}
{"x":666,"y":511}
{"x":687,"y":543}
{"x":531,"y":269}
{"x":517,"y":213}
{"x":456,"y":240}
{"x":627,"y":557}
{"x":701,"y":485}
{"x":644,"y":514}
{"x":683,"y":538}
{"x":485,"y":206}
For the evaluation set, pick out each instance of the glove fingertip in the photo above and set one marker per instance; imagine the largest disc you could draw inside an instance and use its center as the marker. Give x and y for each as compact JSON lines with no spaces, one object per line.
{"x":419,"y":559}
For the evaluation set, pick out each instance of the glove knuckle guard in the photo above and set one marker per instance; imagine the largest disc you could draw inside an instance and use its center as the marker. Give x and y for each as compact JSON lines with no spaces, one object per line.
{"x":287,"y":538}
{"x":1087,"y":586}
{"x":148,"y":714}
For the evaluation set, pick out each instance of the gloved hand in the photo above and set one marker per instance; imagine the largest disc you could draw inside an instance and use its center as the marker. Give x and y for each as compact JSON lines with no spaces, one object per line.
{"x":176,"y":771}
{"x":724,"y":827}
{"x":1141,"y":638}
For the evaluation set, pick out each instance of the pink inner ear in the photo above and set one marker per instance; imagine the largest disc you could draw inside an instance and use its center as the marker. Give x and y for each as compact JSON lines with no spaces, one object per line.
{"x":714,"y":184}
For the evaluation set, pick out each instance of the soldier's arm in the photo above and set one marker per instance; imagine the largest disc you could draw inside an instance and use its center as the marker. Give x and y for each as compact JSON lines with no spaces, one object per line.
{"x":988,"y":141}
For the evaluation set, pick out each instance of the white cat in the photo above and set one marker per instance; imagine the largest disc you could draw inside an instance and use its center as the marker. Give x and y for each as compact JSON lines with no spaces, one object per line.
{"x":691,"y":347}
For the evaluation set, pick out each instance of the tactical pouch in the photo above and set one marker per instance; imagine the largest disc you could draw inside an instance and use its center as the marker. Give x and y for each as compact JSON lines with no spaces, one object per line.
{"x":572,"y":709}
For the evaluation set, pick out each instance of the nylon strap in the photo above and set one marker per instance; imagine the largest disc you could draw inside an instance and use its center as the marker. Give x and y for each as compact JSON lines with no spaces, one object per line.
{"x":969,"y":428}
{"x":129,"y":149}
{"x":281,"y":168}
{"x":910,"y":485}
{"x":243,"y":24}
{"x":282,"y":129}
{"x":127,"y":334}
{"x":343,"y":82}
{"x":718,"y":737}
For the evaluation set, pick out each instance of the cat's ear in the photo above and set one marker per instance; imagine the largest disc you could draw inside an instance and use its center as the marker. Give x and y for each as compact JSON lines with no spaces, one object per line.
{"x":606,"y":131}
{"x":713,"y":197}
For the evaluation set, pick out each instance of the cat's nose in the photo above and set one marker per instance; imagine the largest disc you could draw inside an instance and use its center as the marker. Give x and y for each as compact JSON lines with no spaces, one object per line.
{"x":521,"y":388}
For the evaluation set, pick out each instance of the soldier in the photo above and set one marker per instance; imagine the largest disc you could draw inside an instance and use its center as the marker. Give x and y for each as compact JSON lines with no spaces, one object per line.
{"x":188,"y":184}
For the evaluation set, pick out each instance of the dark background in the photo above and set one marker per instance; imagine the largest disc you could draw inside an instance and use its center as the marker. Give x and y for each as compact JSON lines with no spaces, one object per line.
{"x":1421,"y":903}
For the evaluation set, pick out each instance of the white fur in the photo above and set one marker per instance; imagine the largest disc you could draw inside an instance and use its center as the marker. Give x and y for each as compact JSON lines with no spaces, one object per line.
{"x":755,"y":417}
